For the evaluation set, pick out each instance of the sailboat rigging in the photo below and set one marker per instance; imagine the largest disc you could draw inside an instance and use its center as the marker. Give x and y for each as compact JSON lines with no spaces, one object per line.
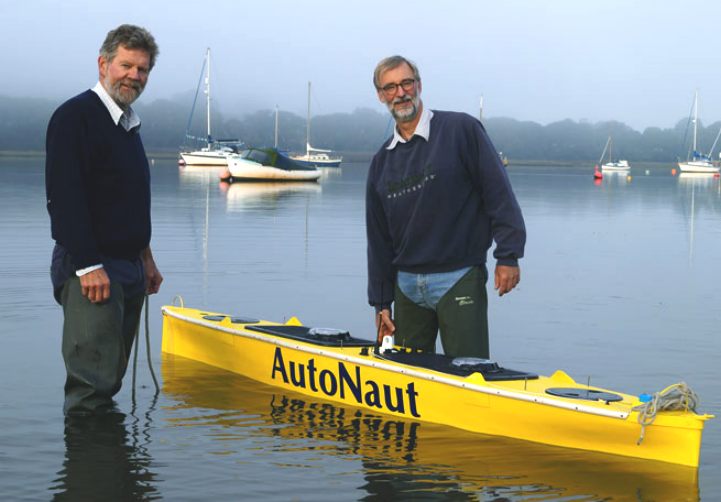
{"x":316,"y":157}
{"x":610,"y":165}
{"x":215,"y":152}
{"x":697,"y":162}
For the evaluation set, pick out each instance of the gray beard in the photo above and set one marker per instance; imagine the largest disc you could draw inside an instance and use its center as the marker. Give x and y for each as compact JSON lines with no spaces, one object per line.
{"x":123,"y":99}
{"x":406,"y":115}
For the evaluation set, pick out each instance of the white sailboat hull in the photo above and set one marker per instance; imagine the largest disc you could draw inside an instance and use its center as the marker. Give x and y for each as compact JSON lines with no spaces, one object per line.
{"x":698,"y":167}
{"x":205,"y":158}
{"x":243,"y":170}
{"x":621,"y":165}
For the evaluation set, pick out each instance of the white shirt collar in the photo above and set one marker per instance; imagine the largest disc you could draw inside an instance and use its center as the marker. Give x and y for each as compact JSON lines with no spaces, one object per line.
{"x":127,"y":119}
{"x":423,"y":129}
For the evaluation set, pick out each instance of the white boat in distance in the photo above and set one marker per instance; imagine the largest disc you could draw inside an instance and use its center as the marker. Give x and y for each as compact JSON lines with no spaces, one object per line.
{"x":216,"y":152}
{"x":697,"y":162}
{"x":316,"y":157}
{"x":267,"y":164}
{"x":620,"y":165}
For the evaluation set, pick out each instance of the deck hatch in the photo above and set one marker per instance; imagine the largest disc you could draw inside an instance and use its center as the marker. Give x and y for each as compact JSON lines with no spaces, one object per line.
{"x":445,"y":364}
{"x":325,"y":336}
{"x":585,"y":394}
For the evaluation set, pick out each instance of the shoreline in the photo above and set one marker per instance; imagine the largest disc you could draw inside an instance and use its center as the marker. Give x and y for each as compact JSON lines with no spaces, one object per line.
{"x":351,"y":157}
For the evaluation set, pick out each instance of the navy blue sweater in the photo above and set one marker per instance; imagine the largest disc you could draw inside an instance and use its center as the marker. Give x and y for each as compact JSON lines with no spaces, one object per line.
{"x":437,"y":205}
{"x":97,"y":183}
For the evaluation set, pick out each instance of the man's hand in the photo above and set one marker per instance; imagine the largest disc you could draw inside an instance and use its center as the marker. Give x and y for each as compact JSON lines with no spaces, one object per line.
{"x":506,"y":278}
{"x":95,"y":286}
{"x":384,"y":324}
{"x":153,"y":278}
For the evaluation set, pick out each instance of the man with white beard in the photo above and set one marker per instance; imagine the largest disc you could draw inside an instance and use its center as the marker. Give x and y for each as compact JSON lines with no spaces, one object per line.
{"x":437,"y":195}
{"x":98,"y":196}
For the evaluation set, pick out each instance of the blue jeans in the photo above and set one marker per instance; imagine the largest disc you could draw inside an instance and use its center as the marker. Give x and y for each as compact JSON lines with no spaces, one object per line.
{"x":456,"y":303}
{"x":426,"y":290}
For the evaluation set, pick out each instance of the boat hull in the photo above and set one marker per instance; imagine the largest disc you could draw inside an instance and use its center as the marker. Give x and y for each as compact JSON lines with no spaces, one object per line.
{"x":303,"y":160}
{"x":698,"y":167}
{"x":357,"y":376}
{"x":242,"y":170}
{"x":204,"y":159}
{"x":615,"y":169}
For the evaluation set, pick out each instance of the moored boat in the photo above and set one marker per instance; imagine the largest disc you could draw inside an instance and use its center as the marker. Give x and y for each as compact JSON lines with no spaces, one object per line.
{"x":610,"y":164}
{"x":266,"y":164}
{"x":315,"y":157}
{"x":215,"y":152}
{"x":474,"y":395}
{"x":696,"y":161}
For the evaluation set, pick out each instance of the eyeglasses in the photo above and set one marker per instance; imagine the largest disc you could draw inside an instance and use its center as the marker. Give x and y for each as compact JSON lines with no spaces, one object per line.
{"x":391,"y":89}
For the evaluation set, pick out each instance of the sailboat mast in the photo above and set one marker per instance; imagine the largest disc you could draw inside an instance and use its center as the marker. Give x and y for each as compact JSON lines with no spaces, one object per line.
{"x":276,"y":126}
{"x":695,"y":120}
{"x":207,"y":92}
{"x":307,"y":128}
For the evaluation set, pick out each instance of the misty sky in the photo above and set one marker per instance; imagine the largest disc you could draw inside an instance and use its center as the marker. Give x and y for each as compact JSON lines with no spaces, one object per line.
{"x":634,"y":61}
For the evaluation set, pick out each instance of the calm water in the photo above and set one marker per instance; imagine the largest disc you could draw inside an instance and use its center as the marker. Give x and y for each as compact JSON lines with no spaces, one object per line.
{"x":620,"y":286}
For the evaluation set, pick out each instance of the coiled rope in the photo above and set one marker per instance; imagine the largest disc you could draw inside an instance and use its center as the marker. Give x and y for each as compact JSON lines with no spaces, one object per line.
{"x":678,"y":396}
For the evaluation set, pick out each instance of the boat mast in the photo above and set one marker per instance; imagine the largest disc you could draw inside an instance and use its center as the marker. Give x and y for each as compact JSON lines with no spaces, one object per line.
{"x":207,"y":92}
{"x":276,"y":126}
{"x":603,"y":154}
{"x":695,"y":120}
{"x":307,"y":128}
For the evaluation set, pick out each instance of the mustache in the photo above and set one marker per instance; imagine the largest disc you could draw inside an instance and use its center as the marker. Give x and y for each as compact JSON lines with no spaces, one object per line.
{"x":402,"y":99}
{"x":136,"y":86}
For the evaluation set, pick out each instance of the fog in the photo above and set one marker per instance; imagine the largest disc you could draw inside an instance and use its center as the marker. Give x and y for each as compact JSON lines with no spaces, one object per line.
{"x":638,"y":62}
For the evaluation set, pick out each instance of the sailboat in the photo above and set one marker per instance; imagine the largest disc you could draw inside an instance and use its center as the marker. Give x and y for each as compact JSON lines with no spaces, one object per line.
{"x":216,"y":152}
{"x":620,"y":165}
{"x":697,"y":162}
{"x":316,"y":157}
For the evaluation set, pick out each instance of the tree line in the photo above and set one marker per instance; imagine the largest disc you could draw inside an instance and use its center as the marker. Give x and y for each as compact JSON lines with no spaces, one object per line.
{"x":23,"y":122}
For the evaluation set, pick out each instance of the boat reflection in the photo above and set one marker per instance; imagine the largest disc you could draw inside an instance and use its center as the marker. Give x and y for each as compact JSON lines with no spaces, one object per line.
{"x":201,"y":176}
{"x":245,"y":196}
{"x":698,"y":179}
{"x":404,"y":459}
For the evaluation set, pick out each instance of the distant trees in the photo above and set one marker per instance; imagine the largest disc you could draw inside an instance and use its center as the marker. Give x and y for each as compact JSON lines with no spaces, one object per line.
{"x":23,"y":122}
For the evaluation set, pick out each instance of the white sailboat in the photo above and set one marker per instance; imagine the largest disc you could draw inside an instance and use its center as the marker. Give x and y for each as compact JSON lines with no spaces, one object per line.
{"x":315,"y":157}
{"x":697,"y":162}
{"x":216,"y":152}
{"x":611,"y":166}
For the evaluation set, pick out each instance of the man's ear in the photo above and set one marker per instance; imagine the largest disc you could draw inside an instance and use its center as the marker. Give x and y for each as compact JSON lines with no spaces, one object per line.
{"x":102,"y":67}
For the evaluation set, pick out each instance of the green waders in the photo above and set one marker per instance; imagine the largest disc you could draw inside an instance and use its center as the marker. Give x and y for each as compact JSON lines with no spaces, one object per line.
{"x":461,"y":315}
{"x":97,"y":339}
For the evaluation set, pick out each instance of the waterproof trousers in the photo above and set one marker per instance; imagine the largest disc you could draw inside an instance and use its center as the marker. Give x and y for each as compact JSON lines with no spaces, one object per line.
{"x":461,"y":315}
{"x":97,"y":339}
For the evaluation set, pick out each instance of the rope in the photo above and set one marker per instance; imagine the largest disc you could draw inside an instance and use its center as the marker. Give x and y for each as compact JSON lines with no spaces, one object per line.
{"x":676,"y":397}
{"x":147,"y":349}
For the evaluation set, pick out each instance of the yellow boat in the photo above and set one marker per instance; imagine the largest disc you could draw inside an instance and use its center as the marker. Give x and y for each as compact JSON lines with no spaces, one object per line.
{"x":477,"y":396}
{"x":231,"y":408}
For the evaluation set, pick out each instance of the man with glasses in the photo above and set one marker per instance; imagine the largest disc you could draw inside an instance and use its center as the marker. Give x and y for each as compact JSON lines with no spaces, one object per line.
{"x":437,"y":195}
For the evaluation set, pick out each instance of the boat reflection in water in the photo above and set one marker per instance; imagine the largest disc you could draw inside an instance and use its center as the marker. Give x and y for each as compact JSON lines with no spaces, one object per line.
{"x":406,"y":459}
{"x":245,"y":196}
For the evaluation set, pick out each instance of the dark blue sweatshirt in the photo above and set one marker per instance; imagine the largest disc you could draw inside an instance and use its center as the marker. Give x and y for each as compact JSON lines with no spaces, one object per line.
{"x":437,"y":205}
{"x":97,"y":183}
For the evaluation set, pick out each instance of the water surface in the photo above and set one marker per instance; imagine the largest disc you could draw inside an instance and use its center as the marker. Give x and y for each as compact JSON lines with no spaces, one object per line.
{"x":619,"y":286}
